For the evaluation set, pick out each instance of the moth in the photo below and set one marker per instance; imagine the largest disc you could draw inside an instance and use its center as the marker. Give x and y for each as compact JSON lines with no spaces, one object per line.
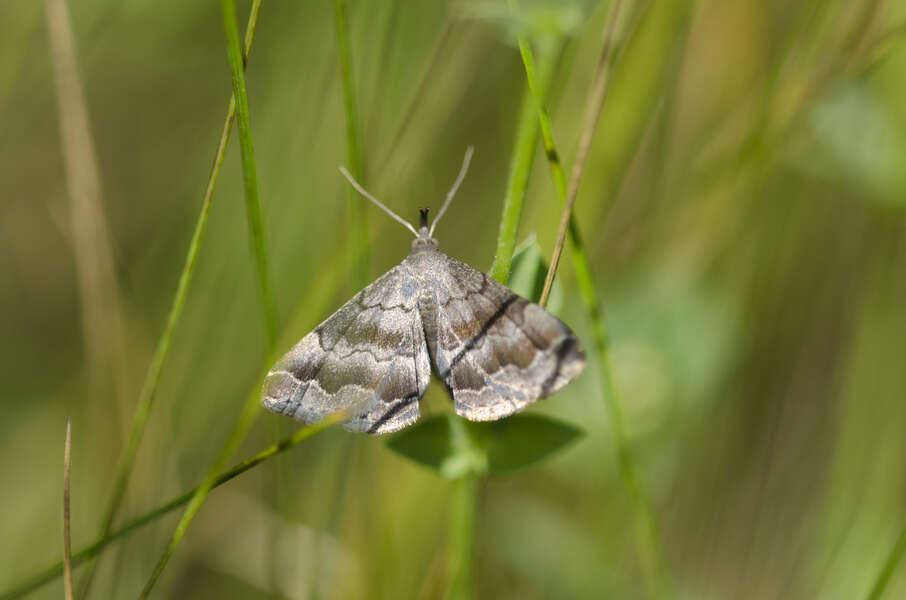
{"x":495,"y":351}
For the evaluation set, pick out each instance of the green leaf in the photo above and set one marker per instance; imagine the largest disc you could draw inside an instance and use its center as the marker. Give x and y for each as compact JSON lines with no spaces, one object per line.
{"x":442,"y":443}
{"x":528,"y":273}
{"x":522,"y":440}
{"x":455,"y":447}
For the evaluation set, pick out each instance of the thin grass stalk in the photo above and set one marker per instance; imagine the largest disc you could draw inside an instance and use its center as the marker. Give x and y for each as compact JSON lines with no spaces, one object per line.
{"x":93,"y":549}
{"x":247,"y":417}
{"x":199,"y":495}
{"x":890,"y":565}
{"x":67,"y":540}
{"x":243,"y":424}
{"x":517,"y":181}
{"x":249,"y":170}
{"x":356,"y":207}
{"x":162,"y":349}
{"x":101,"y":312}
{"x":596,"y":97}
{"x":520,"y":170}
{"x":313,"y":302}
{"x":357,"y":262}
{"x":649,"y":542}
{"x":317,"y":297}
{"x":251,"y":407}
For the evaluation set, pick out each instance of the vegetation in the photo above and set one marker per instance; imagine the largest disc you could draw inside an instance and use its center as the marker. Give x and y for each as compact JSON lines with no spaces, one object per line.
{"x":735,"y":265}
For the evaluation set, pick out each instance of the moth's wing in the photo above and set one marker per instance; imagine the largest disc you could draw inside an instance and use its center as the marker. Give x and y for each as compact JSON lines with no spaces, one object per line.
{"x":496,"y":351}
{"x":368,"y":359}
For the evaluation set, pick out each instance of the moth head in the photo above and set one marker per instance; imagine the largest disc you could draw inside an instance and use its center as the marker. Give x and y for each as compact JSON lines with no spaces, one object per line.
{"x":423,"y":239}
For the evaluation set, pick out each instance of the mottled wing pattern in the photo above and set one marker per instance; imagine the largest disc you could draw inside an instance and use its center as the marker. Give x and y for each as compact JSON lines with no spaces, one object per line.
{"x":496,"y":351}
{"x":368,"y":359}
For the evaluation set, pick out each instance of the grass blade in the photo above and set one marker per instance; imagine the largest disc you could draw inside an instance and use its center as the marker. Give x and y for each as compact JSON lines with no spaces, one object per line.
{"x":253,"y":205}
{"x":355,"y":206}
{"x":101,"y":313}
{"x":67,"y":540}
{"x":162,"y":349}
{"x":249,"y":170}
{"x":461,"y":569}
{"x":313,"y":302}
{"x":246,"y":418}
{"x":596,"y":97}
{"x":649,"y":538}
{"x":517,"y":180}
{"x":96,"y":547}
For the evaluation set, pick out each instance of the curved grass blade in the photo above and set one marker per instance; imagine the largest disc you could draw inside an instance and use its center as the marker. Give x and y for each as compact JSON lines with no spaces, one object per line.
{"x":355,"y":206}
{"x":650,"y":547}
{"x":517,"y":182}
{"x":249,"y":170}
{"x":251,"y":408}
{"x":596,"y":97}
{"x":67,"y":540}
{"x":96,"y":547}
{"x":162,"y":349}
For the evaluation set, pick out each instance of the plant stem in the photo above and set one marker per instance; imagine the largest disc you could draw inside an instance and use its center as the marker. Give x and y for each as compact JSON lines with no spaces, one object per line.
{"x":246,"y":418}
{"x":648,"y":536}
{"x":101,"y":314}
{"x":95,"y":548}
{"x":461,"y":571}
{"x":67,"y":540}
{"x":251,"y":408}
{"x":595,"y":104}
{"x":249,"y":169}
{"x":517,"y":181}
{"x":162,"y":349}
{"x":462,"y":539}
{"x":355,"y":206}
{"x":357,"y":261}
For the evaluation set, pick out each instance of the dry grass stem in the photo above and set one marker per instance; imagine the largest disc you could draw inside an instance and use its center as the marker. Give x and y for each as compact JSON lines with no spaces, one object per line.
{"x":102,"y":320}
{"x":67,"y":541}
{"x":596,"y":97}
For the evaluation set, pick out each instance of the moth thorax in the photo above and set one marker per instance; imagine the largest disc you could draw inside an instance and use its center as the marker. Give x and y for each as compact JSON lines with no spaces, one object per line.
{"x":424,"y":241}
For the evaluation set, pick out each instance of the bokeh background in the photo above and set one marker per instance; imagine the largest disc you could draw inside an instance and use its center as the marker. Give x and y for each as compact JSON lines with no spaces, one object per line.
{"x":744,"y":205}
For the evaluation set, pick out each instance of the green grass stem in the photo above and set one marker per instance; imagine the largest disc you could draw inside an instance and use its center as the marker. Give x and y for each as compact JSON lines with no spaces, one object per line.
{"x":462,"y":539}
{"x":243,"y":424}
{"x":162,"y":349}
{"x":357,"y":255}
{"x":594,"y":105}
{"x":517,"y":180}
{"x":249,"y":170}
{"x":314,"y":302}
{"x":461,"y":568}
{"x":93,"y":549}
{"x":253,"y":205}
{"x":356,"y":206}
{"x":650,"y":548}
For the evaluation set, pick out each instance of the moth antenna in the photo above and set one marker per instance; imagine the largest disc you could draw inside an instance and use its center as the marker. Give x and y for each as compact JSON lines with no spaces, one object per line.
{"x":462,"y":175}
{"x":365,"y":193}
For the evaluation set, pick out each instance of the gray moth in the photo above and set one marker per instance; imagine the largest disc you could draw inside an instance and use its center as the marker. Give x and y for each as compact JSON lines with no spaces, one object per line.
{"x":495,"y":351}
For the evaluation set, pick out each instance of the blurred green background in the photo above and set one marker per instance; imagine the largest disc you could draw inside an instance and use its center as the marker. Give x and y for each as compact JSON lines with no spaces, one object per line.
{"x":744,"y":205}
